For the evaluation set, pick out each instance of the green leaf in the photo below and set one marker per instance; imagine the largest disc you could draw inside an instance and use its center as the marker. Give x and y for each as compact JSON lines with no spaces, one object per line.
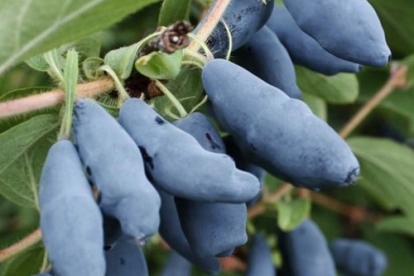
{"x":397,"y":21}
{"x":91,"y":68}
{"x":88,"y":47}
{"x":340,"y":89}
{"x":122,"y":60}
{"x":38,"y":63}
{"x":30,"y":27}
{"x":317,"y":105}
{"x":386,"y":171}
{"x":291,"y":214}
{"x":186,"y":87}
{"x":25,"y":264}
{"x":398,"y":249}
{"x":397,"y":224}
{"x":160,"y":66}
{"x":173,"y":11}
{"x":23,"y":151}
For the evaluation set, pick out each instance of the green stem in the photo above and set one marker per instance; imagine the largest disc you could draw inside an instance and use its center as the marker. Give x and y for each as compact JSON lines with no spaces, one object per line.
{"x":190,"y":55}
{"x":203,"y":45}
{"x":71,"y":74}
{"x":122,"y":93}
{"x":172,"y":98}
{"x":229,"y":37}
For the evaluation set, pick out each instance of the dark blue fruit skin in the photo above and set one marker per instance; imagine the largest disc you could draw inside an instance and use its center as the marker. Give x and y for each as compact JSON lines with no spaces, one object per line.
{"x":179,"y":165}
{"x":212,"y":229}
{"x":171,"y":232}
{"x":305,"y":251}
{"x":266,"y":57}
{"x":349,"y":29}
{"x":126,"y":259}
{"x":244,"y":18}
{"x":260,"y":261}
{"x":116,"y":168}
{"x":176,"y":266}
{"x":241,"y":163}
{"x":112,"y":231}
{"x":303,"y":49}
{"x":71,"y":221}
{"x":278,"y":133}
{"x":357,"y":257}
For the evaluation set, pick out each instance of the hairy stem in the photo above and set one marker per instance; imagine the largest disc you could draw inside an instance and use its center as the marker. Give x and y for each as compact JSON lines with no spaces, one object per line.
{"x":210,"y":23}
{"x":53,"y":98}
{"x":21,"y":245}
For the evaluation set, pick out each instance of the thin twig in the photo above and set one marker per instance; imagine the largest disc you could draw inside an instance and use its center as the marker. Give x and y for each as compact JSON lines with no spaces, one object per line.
{"x":21,"y":245}
{"x":53,"y":98}
{"x":397,"y":79}
{"x":259,"y":209}
{"x":356,"y":213}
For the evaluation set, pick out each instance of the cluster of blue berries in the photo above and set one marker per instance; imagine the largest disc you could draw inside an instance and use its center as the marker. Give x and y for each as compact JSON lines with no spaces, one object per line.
{"x":121,"y":181}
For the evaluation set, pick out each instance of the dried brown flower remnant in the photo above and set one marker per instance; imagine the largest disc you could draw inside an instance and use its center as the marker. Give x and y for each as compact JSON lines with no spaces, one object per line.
{"x":173,"y":38}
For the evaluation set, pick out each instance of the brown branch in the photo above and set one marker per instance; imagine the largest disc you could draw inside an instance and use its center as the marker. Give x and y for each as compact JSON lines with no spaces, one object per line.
{"x":21,"y":245}
{"x":355,"y":213}
{"x":259,"y":208}
{"x":53,"y":98}
{"x":397,"y":80}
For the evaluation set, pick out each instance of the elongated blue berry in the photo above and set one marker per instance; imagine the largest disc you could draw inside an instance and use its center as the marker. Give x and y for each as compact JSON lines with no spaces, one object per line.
{"x":356,"y":257}
{"x":126,"y":259}
{"x":116,"y":168}
{"x":276,"y":132}
{"x":243,"y":18}
{"x":176,"y":266}
{"x":304,"y":49}
{"x":265,"y":56}
{"x":177,"y":162}
{"x":305,"y":251}
{"x":70,"y":219}
{"x":348,"y":29}
{"x":170,"y":230}
{"x":260,"y":260}
{"x":210,"y":228}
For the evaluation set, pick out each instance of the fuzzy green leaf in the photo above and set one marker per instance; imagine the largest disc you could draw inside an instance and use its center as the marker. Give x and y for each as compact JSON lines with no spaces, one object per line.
{"x":291,"y":214}
{"x":122,"y":60}
{"x":160,"y":66}
{"x":340,"y":89}
{"x":173,"y":11}
{"x":30,"y":27}
{"x":23,"y":151}
{"x":186,"y":87}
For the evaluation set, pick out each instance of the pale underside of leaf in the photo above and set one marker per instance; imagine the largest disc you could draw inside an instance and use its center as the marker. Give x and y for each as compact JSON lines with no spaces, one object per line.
{"x":29,"y":27}
{"x":24,"y":148}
